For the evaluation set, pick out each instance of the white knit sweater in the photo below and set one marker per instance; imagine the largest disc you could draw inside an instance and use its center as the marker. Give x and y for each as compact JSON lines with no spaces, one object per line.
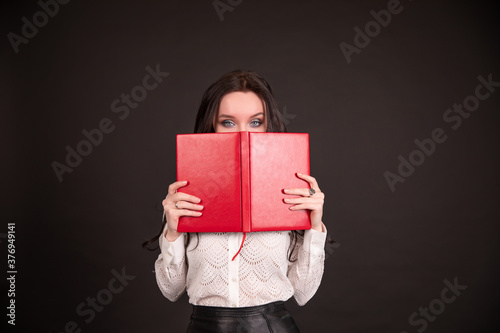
{"x":260,"y":274}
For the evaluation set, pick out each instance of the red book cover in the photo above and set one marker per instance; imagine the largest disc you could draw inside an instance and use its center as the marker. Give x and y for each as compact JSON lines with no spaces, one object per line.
{"x":239,"y":177}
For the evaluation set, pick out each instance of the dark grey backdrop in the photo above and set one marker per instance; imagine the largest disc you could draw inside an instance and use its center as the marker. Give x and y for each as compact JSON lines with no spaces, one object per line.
{"x":396,"y":248}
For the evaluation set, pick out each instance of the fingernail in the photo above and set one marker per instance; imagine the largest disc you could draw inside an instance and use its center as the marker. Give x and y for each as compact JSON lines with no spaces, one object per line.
{"x":199,"y":213}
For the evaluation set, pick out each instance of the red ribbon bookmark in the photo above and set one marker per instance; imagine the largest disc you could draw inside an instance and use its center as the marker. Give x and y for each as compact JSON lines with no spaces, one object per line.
{"x":241,"y":246}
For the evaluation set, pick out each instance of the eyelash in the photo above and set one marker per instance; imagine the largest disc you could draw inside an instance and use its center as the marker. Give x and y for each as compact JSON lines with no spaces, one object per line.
{"x":227,"y":122}
{"x":258,"y":121}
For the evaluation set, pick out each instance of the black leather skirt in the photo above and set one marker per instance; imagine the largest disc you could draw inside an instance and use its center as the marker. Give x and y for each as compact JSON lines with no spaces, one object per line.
{"x":272,"y":317}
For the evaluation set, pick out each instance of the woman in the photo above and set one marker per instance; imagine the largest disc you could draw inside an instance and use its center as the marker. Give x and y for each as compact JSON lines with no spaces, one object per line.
{"x":245,"y":294}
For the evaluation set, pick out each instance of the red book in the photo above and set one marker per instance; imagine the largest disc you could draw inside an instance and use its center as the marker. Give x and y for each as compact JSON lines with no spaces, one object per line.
{"x":240,"y":177}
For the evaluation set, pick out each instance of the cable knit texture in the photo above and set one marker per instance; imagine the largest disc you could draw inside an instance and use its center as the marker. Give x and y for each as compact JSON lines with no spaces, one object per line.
{"x":260,"y":274}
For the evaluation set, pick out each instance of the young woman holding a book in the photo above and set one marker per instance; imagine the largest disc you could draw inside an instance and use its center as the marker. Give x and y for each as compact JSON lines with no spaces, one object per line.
{"x":246,"y":294}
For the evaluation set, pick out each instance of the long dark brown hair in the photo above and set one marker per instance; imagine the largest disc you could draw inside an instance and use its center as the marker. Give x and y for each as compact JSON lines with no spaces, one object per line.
{"x":244,"y":81}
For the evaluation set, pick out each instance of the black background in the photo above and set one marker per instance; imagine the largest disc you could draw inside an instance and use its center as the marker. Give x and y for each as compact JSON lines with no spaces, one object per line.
{"x":396,"y":248}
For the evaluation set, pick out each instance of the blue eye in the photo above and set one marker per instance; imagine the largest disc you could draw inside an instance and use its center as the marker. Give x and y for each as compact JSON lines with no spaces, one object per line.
{"x":227,"y":123}
{"x":255,"y":123}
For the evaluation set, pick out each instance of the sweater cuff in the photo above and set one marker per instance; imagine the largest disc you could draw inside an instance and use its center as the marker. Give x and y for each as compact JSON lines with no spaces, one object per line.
{"x":173,"y":252}
{"x":315,"y":240}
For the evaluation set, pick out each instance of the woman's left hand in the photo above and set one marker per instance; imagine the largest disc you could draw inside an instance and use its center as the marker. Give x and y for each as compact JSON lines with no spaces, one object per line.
{"x":312,"y":202}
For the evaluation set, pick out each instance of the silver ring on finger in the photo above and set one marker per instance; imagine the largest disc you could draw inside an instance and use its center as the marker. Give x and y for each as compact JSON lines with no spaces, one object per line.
{"x":176,"y":205}
{"x":311,"y":191}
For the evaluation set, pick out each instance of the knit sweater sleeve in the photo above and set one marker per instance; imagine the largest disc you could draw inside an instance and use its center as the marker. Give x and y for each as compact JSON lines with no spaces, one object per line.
{"x":171,"y":268}
{"x":306,"y":271}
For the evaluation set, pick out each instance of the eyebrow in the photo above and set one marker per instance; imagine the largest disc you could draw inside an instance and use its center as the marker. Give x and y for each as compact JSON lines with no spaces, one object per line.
{"x":229,"y":116}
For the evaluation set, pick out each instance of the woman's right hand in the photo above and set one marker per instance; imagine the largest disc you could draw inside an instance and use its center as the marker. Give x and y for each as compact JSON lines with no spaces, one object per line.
{"x":187,"y":205}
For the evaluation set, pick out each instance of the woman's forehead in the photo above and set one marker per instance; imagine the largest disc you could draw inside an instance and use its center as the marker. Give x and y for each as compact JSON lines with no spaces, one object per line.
{"x":240,"y":103}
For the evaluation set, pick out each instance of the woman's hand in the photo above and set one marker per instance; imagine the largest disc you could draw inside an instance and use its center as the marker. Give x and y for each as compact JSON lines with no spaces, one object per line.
{"x":307,"y":201}
{"x":186,"y":206}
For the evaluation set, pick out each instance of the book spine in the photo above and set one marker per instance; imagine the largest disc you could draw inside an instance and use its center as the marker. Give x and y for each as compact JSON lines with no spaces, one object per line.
{"x":245,"y":182}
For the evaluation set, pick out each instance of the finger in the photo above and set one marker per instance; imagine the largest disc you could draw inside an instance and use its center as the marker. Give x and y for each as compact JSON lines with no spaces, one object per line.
{"x":297,"y":191}
{"x":187,"y":212}
{"x":184,"y":197}
{"x":302,"y":200}
{"x":310,"y":206}
{"x":187,"y":205}
{"x":310,"y":179}
{"x":174,"y":186}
